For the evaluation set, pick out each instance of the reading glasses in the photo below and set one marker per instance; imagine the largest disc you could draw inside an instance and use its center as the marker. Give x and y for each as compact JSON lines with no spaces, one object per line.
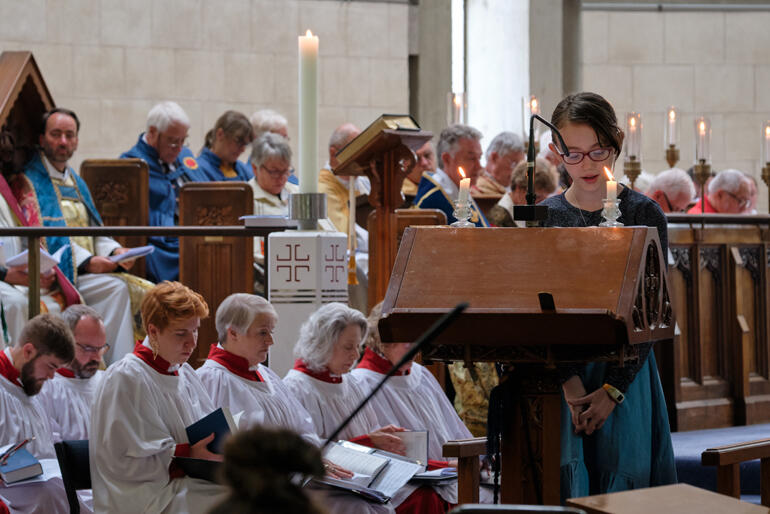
{"x":576,"y":157}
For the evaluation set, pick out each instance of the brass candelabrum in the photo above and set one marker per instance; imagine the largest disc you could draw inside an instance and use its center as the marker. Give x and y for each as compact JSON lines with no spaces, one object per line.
{"x":701,"y":173}
{"x":632,"y":167}
{"x":672,"y":155}
{"x":766,"y":174}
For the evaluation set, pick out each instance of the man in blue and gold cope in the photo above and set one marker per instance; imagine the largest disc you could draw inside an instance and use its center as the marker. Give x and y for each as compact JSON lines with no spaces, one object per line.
{"x":171,"y":164}
{"x":51,"y":194}
{"x":231,"y":134}
{"x":458,"y":146}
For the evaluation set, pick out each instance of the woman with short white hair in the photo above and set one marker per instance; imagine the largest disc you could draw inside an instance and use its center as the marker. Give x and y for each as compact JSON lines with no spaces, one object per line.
{"x":326,"y":351}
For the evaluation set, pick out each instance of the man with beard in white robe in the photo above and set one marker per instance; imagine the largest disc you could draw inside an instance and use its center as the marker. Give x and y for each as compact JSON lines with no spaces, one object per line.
{"x":326,"y":350}
{"x":235,"y":379}
{"x":45,"y":344}
{"x":142,"y":407}
{"x":68,"y":397}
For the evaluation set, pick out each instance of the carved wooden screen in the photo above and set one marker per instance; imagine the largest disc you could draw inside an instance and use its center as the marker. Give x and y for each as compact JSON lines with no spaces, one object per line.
{"x":720,"y":364}
{"x":215,"y":266}
{"x":120,"y":190}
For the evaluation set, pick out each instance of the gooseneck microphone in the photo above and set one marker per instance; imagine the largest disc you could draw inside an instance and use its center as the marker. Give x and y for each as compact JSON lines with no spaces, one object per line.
{"x":437,"y":328}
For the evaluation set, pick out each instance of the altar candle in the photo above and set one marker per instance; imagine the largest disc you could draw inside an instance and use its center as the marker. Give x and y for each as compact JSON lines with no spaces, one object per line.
{"x":671,"y":136}
{"x":702,"y":139}
{"x":534,"y":105}
{"x":465,"y":186}
{"x":612,"y":186}
{"x":634,"y":135}
{"x":766,"y":143}
{"x":308,"y":113}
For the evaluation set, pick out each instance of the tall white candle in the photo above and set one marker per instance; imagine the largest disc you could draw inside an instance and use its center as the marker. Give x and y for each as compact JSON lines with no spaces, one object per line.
{"x":671,"y":132}
{"x":612,"y":186}
{"x":465,"y":187}
{"x":766,"y":143}
{"x":308,"y":113}
{"x":702,"y":139}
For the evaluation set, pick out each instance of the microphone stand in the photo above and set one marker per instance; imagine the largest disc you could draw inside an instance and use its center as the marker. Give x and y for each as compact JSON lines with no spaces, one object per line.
{"x":437,"y":328}
{"x":532,"y":213}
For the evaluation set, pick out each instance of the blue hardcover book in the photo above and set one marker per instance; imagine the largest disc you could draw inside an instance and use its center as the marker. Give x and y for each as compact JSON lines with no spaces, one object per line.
{"x":220,"y":422}
{"x":21,"y":465}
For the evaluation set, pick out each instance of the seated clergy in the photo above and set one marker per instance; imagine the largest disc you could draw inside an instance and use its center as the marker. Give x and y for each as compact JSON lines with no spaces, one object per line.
{"x":458,"y":146}
{"x":728,"y":193}
{"x":271,"y":164}
{"x":45,"y":344}
{"x":56,"y":292}
{"x":141,"y":410}
{"x":672,"y":189}
{"x":51,"y":194}
{"x":268,"y":120}
{"x":68,"y":397}
{"x":501,"y":215}
{"x":503,"y":154}
{"x":224,"y":144}
{"x":235,"y":378}
{"x":171,"y":164}
{"x":326,"y":350}
{"x":426,"y":163}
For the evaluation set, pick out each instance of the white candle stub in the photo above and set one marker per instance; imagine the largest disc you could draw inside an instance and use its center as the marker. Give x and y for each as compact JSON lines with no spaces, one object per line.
{"x":612,"y":186}
{"x":465,"y":187}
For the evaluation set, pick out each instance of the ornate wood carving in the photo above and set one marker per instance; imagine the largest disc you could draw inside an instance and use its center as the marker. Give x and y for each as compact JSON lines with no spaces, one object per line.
{"x":711,"y":260}
{"x":750,"y":258}
{"x":652,"y":285}
{"x":682,"y":262}
{"x":215,"y":215}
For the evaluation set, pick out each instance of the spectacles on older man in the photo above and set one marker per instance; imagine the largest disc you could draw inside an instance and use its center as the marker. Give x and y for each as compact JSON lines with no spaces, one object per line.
{"x":742,"y":202}
{"x":96,"y":350}
{"x":276,"y":173}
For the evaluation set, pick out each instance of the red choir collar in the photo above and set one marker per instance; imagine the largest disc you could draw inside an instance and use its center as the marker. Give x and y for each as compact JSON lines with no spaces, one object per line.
{"x":8,"y":371}
{"x":158,"y":363}
{"x":66,"y":372}
{"x":375,"y":362}
{"x":323,"y":376}
{"x":234,"y":363}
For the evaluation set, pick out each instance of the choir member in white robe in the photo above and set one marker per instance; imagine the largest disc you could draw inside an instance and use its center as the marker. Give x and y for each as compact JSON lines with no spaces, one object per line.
{"x":326,"y":350}
{"x":68,"y":397}
{"x":142,"y":407}
{"x":44,"y":345}
{"x":235,"y":378}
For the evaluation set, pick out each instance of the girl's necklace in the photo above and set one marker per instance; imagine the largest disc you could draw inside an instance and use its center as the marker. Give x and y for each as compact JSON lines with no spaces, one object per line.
{"x":576,"y":206}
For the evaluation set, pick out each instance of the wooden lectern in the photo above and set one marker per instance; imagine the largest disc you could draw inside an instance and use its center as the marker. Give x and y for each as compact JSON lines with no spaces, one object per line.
{"x":386,"y":159}
{"x":610,"y":292}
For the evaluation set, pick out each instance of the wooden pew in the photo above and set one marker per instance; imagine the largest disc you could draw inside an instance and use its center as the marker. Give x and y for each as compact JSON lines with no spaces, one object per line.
{"x":467,"y":453}
{"x":120,"y":190}
{"x":718,"y":374}
{"x":215,"y":266}
{"x":728,"y":460}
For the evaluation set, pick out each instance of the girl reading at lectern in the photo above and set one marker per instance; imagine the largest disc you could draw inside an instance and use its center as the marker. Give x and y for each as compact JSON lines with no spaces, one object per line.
{"x":615,"y":432}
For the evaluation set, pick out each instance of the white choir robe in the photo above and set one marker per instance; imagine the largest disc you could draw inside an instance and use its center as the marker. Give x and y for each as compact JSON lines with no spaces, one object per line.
{"x":138,"y":418}
{"x":330,"y":403}
{"x":21,"y":417}
{"x":68,"y":400}
{"x":271,"y":404}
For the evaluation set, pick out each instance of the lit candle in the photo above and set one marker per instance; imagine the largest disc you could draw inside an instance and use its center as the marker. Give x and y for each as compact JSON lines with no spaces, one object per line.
{"x":702,"y":139}
{"x":534,"y":105}
{"x":308,"y":113}
{"x":671,"y":135}
{"x":612,"y":186}
{"x":465,"y":187}
{"x":634,"y":136}
{"x":766,"y":143}
{"x":523,"y":118}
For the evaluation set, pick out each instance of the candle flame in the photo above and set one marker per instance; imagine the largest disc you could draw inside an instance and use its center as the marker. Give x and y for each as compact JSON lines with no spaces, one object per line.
{"x":672,"y":114}
{"x":608,"y":173}
{"x":462,"y":172}
{"x":632,"y":122}
{"x":533,"y":104}
{"x":308,"y":33}
{"x":457,"y":100}
{"x":767,"y":131}
{"x":702,"y":127}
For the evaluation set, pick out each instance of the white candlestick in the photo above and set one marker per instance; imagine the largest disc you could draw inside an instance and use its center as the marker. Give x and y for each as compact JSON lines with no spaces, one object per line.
{"x":465,"y":187}
{"x":308,"y":113}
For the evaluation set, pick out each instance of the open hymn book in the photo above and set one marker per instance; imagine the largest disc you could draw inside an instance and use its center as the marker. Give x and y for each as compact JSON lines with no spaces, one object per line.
{"x":377,"y":474}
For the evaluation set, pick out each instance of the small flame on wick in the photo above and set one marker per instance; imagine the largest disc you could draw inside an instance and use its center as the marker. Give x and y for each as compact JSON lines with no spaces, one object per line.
{"x":767,"y":131}
{"x":632,"y":122}
{"x":457,"y":100}
{"x":672,"y":114}
{"x":608,"y":173}
{"x":702,"y":127}
{"x":308,"y":33}
{"x":462,"y":172}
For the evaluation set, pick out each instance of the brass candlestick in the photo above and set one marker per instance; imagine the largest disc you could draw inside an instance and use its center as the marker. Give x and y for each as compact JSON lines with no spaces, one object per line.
{"x":672,"y":155}
{"x":766,"y":174}
{"x":701,"y":173}
{"x":632,"y":167}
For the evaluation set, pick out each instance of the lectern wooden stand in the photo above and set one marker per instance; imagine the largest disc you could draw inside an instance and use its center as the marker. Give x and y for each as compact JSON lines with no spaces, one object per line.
{"x":610,"y":292}
{"x":386,"y":159}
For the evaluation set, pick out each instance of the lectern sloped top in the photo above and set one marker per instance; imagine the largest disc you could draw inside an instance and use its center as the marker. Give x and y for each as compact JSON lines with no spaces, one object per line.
{"x":609,"y":286}
{"x":387,"y":139}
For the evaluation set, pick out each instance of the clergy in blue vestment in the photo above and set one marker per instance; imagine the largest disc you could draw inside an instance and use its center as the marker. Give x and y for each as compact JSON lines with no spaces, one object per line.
{"x":224,"y":144}
{"x":171,"y":164}
{"x":458,"y":146}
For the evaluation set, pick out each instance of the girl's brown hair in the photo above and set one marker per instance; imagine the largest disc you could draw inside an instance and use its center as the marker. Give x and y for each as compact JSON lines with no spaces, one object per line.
{"x":594,"y":111}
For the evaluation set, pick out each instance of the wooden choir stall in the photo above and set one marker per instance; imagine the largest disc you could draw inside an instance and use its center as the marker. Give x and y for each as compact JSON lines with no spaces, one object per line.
{"x":610,"y":292}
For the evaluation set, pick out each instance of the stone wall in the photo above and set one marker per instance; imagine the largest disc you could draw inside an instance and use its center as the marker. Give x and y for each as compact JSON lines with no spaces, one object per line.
{"x":111,"y":60}
{"x":704,"y":63}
